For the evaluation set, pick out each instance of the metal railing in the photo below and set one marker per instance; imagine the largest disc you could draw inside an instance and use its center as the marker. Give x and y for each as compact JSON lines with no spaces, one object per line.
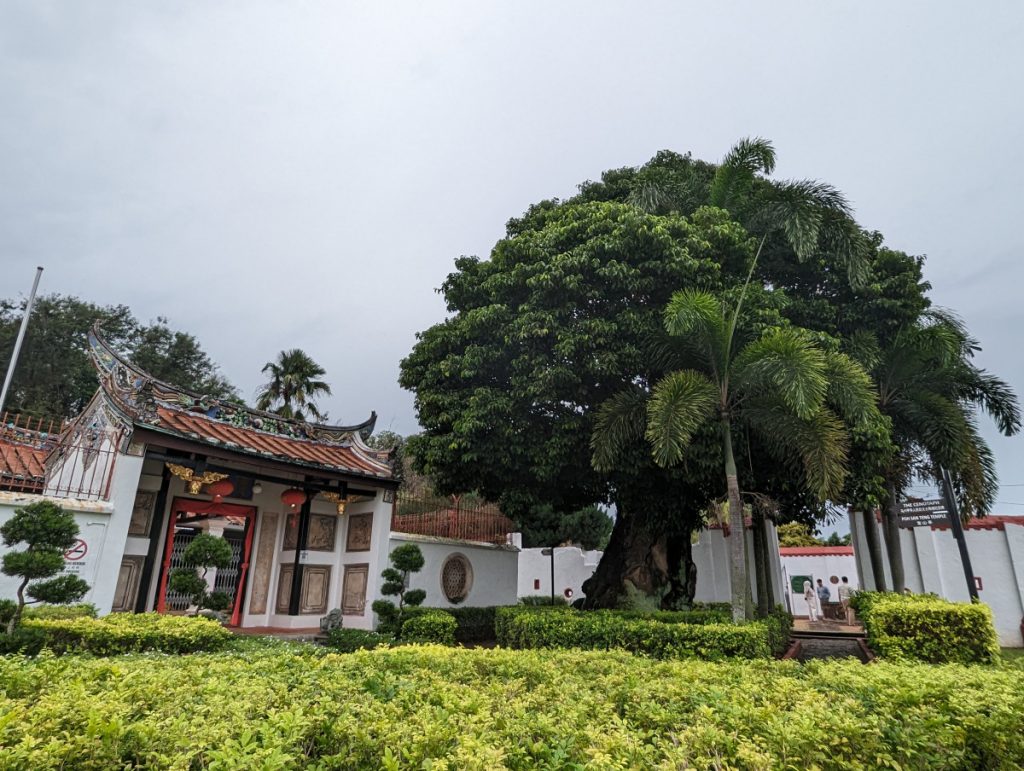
{"x":450,"y":517}
{"x":50,"y":458}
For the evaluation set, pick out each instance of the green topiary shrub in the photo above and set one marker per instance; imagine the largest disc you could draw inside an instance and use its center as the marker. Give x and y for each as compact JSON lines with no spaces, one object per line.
{"x":131,"y":633}
{"x":405,"y":560}
{"x":928,"y":628}
{"x":434,"y":626}
{"x":351,"y":640}
{"x":205,"y":551}
{"x":47,"y":531}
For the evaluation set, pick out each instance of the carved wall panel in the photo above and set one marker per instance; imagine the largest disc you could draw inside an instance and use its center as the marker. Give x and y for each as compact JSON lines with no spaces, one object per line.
{"x":284,"y":588}
{"x":263,"y":564}
{"x":316,"y":584}
{"x":353,"y":590}
{"x":360,"y":528}
{"x":127,"y":590}
{"x":142,"y":513}
{"x":322,"y":531}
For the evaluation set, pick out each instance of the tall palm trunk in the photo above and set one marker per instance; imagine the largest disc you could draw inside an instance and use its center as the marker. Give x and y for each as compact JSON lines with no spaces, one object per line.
{"x":737,"y":531}
{"x":891,"y":524}
{"x":762,"y":567}
{"x":874,"y":548}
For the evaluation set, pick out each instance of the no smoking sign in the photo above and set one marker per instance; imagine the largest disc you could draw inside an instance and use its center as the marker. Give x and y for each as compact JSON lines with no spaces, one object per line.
{"x":77,"y":551}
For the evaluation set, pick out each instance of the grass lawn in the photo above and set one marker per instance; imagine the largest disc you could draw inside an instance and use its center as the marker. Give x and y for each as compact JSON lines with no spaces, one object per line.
{"x":271,"y":706}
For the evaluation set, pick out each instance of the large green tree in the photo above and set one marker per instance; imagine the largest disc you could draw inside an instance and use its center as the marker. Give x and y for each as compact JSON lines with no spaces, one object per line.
{"x":55,"y":378}
{"x":561,"y":317}
{"x":294,"y":386}
{"x":778,"y":385}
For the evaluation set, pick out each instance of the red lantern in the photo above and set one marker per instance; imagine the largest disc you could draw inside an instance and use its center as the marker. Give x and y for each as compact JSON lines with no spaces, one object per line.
{"x":293,"y":498}
{"x":220,"y":489}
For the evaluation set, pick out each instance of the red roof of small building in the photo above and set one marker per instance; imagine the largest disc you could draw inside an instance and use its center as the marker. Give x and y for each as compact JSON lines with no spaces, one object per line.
{"x":22,"y":466}
{"x":990,"y":522}
{"x":816,"y":551}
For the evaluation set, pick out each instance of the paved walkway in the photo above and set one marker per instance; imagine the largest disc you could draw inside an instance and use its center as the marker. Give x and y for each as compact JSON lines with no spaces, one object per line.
{"x":826,"y":626}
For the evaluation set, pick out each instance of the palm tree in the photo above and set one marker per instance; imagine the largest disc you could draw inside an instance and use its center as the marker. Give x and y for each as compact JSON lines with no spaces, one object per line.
{"x":932,"y":391}
{"x":781,"y":386}
{"x":293,"y":386}
{"x":812,"y":216}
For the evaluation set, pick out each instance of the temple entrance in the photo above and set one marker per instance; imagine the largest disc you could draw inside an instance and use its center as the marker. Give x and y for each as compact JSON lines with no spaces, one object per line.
{"x":188,"y":519}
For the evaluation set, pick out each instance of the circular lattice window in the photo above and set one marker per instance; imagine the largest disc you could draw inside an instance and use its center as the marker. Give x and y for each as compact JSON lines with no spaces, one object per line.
{"x":456,"y":578}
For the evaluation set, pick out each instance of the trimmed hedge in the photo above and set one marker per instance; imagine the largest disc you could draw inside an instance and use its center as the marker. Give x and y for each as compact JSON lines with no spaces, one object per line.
{"x":434,"y":626}
{"x":418,"y":707}
{"x":639,"y":633}
{"x":120,"y":633}
{"x":351,"y":640}
{"x":928,"y":628}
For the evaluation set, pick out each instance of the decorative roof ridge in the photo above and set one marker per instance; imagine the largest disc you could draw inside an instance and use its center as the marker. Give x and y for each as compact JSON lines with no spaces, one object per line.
{"x":138,"y":394}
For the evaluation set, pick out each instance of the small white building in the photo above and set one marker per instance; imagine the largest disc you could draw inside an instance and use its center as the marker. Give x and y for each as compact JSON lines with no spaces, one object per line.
{"x":810,"y":563}
{"x":309,"y":510}
{"x":931,"y":561}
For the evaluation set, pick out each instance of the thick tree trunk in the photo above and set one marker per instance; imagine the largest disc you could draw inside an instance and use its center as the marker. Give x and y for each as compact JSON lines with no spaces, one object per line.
{"x":16,"y":617}
{"x":874,"y":549}
{"x":737,"y":531}
{"x":891,"y":523}
{"x":682,"y":572}
{"x":636,"y":554}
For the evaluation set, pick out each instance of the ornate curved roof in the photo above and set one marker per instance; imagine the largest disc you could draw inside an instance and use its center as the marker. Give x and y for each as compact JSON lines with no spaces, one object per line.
{"x":149,"y":403}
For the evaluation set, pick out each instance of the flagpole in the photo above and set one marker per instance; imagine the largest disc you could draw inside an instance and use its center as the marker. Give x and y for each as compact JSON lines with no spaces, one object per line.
{"x":21,"y":337}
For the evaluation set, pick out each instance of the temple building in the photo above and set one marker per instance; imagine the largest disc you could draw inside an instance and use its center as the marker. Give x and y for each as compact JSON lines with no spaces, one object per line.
{"x":307,"y":509}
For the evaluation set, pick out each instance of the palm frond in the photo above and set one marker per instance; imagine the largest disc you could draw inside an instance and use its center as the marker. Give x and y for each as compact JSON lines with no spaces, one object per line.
{"x":819,"y":445}
{"x":620,"y":420}
{"x":736,"y":172}
{"x":850,"y":390}
{"x":649,"y":196}
{"x":681,"y":402}
{"x":700,"y":316}
{"x":993,"y":395}
{"x":785,"y":363}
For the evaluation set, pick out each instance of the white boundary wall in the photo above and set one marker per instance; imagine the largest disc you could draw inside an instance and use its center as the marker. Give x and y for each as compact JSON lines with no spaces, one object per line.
{"x":931,"y":561}
{"x":573,"y":566}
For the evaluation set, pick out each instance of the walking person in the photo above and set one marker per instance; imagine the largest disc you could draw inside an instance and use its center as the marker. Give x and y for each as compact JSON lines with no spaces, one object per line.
{"x":811,"y":600}
{"x":845,"y":592}
{"x":824,"y":597}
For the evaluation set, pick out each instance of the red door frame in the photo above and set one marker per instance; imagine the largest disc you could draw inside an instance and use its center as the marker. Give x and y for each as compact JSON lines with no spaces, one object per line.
{"x":180,"y":505}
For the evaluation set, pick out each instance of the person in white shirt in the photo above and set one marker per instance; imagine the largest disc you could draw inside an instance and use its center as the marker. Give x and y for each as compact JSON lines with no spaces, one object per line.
{"x":812,"y":604}
{"x":845,"y":591}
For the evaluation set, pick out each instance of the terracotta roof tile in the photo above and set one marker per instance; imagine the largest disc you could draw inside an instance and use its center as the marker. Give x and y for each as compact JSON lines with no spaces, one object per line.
{"x":337,"y":457}
{"x":816,"y":551}
{"x":22,"y":466}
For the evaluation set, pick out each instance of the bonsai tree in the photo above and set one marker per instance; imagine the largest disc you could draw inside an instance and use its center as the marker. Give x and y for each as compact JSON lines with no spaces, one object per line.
{"x":47,"y":530}
{"x":406,"y":559}
{"x":205,"y":551}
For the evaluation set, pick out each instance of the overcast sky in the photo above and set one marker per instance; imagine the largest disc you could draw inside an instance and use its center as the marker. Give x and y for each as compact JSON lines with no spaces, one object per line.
{"x":274,"y":175}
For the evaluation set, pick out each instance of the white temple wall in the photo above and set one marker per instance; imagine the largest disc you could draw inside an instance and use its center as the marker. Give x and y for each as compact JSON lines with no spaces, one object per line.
{"x":494,"y":571}
{"x":931,"y":561}
{"x":573,"y":566}
{"x":822,"y":566}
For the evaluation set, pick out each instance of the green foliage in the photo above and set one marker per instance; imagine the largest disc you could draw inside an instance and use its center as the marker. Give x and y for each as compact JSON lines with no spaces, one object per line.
{"x":47,"y":531}
{"x":796,"y":534}
{"x":543,"y":599}
{"x":119,"y":633}
{"x":294,"y":386}
{"x":662,"y":635}
{"x":55,"y":377}
{"x":416,"y":707}
{"x":54,"y":612}
{"x":23,"y":640}
{"x":405,"y":559}
{"x":475,"y":625}
{"x":927,"y":628}
{"x":204,"y":551}
{"x":351,"y":640}
{"x":433,"y":626}
{"x":589,"y":527}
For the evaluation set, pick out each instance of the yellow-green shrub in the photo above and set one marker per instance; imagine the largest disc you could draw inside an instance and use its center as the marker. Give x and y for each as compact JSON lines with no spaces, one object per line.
{"x":449,"y":708}
{"x":928,"y":628}
{"x":131,"y":632}
{"x":519,"y":627}
{"x":432,"y":626}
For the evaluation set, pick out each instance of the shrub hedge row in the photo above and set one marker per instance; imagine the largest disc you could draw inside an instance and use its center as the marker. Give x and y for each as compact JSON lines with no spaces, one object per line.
{"x":434,"y":626}
{"x":125,"y":633}
{"x":642,"y":633}
{"x":927,"y":628}
{"x":443,"y":708}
